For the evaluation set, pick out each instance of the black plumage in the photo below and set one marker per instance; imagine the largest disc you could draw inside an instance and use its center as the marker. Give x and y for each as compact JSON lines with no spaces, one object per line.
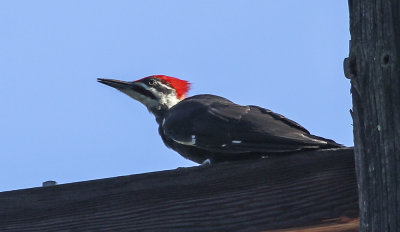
{"x":209,"y":128}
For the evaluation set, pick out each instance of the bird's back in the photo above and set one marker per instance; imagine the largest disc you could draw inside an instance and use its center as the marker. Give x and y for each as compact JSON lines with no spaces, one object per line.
{"x":209,"y":126}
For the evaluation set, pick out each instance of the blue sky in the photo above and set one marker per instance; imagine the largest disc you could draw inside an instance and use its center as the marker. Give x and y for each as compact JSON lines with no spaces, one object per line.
{"x":58,"y":123}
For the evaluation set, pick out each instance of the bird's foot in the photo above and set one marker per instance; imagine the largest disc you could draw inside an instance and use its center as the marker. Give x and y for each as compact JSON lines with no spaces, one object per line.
{"x":206,"y":162}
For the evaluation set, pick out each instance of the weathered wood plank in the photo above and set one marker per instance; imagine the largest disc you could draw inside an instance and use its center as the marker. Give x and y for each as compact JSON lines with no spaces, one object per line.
{"x":302,"y":190}
{"x":348,"y":225}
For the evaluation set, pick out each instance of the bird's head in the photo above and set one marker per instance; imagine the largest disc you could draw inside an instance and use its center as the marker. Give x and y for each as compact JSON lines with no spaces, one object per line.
{"x":157,"y":92}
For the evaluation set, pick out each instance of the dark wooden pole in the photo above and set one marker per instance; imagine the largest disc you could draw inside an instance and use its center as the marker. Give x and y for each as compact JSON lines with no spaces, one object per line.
{"x":374,"y":69}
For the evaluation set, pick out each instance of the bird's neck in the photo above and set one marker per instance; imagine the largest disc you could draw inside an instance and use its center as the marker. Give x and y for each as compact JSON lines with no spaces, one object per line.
{"x":168,"y":100}
{"x":165,"y":102}
{"x":160,"y":111}
{"x":159,"y":114}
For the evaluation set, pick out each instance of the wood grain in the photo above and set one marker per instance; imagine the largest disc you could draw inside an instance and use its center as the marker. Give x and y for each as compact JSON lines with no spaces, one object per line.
{"x":337,"y":226}
{"x":374,"y":65}
{"x":294,"y":191}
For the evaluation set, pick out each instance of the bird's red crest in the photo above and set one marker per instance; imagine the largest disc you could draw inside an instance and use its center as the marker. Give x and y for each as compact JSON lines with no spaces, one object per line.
{"x":181,"y":87}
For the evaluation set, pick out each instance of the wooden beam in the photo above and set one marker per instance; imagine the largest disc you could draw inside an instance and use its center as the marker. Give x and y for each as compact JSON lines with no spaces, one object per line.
{"x":307,"y":191}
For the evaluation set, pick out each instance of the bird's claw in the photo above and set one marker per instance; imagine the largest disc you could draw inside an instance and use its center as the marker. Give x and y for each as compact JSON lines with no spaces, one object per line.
{"x":206,"y":162}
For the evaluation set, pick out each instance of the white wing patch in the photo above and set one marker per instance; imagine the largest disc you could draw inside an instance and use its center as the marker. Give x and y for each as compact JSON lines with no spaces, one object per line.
{"x":314,"y":140}
{"x":190,"y":142}
{"x":236,"y":141}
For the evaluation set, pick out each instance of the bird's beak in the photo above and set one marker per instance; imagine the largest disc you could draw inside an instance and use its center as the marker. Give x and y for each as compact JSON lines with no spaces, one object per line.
{"x":136,"y":90}
{"x":115,"y":83}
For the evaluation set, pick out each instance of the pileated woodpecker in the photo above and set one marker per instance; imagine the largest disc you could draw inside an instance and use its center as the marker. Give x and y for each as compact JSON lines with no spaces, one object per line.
{"x":207,"y":128}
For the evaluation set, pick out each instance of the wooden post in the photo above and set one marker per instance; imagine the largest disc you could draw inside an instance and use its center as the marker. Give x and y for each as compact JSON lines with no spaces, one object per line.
{"x":374,"y":69}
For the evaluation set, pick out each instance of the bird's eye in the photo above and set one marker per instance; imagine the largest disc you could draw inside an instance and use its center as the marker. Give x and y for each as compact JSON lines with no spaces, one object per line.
{"x":152,"y":82}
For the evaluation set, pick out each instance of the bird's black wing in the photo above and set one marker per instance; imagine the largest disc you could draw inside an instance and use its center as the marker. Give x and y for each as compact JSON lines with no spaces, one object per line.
{"x":218,"y":125}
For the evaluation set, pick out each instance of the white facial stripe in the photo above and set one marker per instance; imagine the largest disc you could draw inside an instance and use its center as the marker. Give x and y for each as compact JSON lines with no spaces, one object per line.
{"x":162,"y":99}
{"x":145,"y":100}
{"x":166,"y":86}
{"x":143,"y":85}
{"x":168,"y":100}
